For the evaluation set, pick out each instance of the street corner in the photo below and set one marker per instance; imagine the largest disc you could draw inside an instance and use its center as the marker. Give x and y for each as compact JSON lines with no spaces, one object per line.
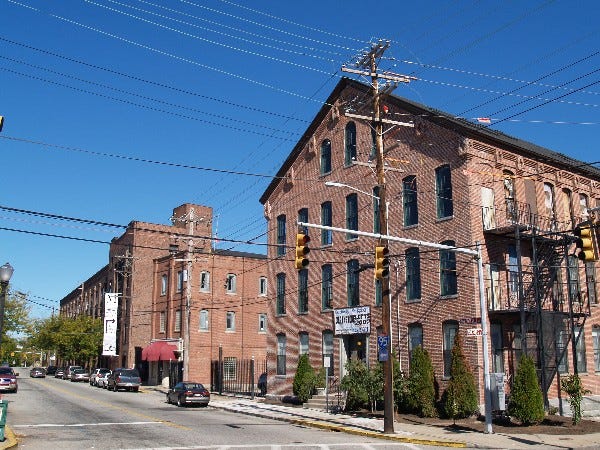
{"x":10,"y":440}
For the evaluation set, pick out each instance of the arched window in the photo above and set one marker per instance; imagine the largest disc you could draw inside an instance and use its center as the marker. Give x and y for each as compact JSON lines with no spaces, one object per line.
{"x":443,"y":192}
{"x":413,"y":273}
{"x":325,"y":157}
{"x":449,"y":330}
{"x":350,"y":144}
{"x":448,"y":278}
{"x":281,"y":293}
{"x":409,"y":201}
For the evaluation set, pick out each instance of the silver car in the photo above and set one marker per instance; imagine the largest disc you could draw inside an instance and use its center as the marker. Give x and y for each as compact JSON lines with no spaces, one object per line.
{"x":80,"y":375}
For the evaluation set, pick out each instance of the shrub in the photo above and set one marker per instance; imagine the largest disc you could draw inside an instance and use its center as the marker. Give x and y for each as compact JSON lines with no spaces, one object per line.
{"x":421,"y":398}
{"x":363,"y":386}
{"x":572,"y":386}
{"x":304,"y":380}
{"x":460,"y":398}
{"x":526,"y":400}
{"x":321,"y":378}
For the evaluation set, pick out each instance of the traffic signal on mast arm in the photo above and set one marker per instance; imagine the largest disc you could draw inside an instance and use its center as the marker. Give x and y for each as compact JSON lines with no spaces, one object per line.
{"x":587,"y":241}
{"x":382,"y":262}
{"x":302,"y":250}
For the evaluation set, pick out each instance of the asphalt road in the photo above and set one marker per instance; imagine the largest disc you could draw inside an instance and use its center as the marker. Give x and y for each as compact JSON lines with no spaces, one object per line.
{"x":48,"y":413}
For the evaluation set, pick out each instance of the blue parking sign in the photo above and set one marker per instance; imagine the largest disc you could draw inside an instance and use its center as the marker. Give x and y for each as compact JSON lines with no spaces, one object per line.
{"x":383,"y":343}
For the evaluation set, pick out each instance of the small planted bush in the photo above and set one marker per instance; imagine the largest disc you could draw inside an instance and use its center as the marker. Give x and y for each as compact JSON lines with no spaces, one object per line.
{"x":460,"y":399}
{"x":526,"y":399}
{"x":304,"y":380}
{"x":421,"y":384}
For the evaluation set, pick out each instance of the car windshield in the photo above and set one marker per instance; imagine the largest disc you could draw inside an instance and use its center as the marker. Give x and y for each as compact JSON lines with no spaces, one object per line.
{"x":78,"y":371}
{"x":129,"y":373}
{"x":193,"y":386}
{"x":6,"y":371}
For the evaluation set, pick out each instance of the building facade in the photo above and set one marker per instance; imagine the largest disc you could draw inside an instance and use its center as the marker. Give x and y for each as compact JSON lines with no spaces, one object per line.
{"x":450,"y":182}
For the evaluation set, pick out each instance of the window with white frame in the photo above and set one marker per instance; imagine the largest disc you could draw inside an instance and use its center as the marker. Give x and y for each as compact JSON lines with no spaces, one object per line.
{"x":162,"y":322}
{"x":583,"y":207}
{"x":230,"y":283}
{"x":262,"y":286}
{"x":179,"y":280}
{"x":204,"y":281}
{"x":230,"y":321}
{"x":177,"y":325}
{"x":303,"y":340}
{"x":596,"y":342}
{"x":580,"y":349}
{"x":449,"y":329}
{"x":262,"y":323}
{"x":281,"y":354}
{"x":164,"y":283}
{"x":204,"y":324}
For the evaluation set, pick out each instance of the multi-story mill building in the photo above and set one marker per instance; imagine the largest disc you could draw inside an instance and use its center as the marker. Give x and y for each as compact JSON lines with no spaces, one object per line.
{"x":448,"y":181}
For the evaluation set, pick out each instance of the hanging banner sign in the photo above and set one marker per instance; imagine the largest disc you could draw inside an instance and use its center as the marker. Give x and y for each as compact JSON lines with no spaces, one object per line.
{"x":111,"y":305}
{"x":355,"y":320}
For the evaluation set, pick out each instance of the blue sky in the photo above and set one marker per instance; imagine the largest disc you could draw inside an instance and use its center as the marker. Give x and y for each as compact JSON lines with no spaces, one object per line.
{"x":231,"y":85}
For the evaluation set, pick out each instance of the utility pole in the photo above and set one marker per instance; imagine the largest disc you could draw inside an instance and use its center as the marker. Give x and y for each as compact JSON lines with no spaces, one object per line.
{"x":369,"y":61}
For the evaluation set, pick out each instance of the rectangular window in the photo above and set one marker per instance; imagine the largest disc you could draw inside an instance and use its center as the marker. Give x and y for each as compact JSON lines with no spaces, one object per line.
{"x":580,"y":349}
{"x":204,"y":281}
{"x":573,"y":274}
{"x":229,"y":368}
{"x":163,"y":285}
{"x":204,"y":319}
{"x":562,"y":353}
{"x":492,"y":287}
{"x":230,"y":283}
{"x":177,"y":326}
{"x":443,"y":192}
{"x":413,"y":274}
{"x":352,"y":285}
{"x":497,"y":347}
{"x":449,"y":329}
{"x":230,"y":321}
{"x":590,"y":282}
{"x":596,"y":342}
{"x":281,"y":237}
{"x":415,"y":338}
{"x":376,"y":211}
{"x":409,"y":201}
{"x":303,"y":217}
{"x":326,"y":286}
{"x":280,"y":293}
{"x":328,"y":351}
{"x":303,"y":338}
{"x":262,"y":286}
{"x":303,"y":291}
{"x":352,"y":215}
{"x":326,"y":220}
{"x":325,"y":157}
{"x":179,"y":280}
{"x":281,"y":353}
{"x":262,"y":323}
{"x":162,"y":322}
{"x":378,"y":292}
{"x":448,"y":277}
{"x":513,"y":274}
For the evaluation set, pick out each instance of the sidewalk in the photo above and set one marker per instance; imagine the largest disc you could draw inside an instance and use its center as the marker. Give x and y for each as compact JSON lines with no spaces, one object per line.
{"x":407,"y":433}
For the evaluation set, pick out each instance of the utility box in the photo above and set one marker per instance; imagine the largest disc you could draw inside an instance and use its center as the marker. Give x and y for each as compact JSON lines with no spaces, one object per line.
{"x":497,"y":391}
{"x":3,"y":414}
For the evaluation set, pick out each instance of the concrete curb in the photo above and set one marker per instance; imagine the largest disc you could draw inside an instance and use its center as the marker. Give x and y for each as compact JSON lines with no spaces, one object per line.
{"x":10,"y":440}
{"x":350,"y":430}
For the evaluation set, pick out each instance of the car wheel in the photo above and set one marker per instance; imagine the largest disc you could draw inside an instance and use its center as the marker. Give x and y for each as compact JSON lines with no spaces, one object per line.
{"x":135,"y":389}
{"x":179,"y":402}
{"x":115,"y":388}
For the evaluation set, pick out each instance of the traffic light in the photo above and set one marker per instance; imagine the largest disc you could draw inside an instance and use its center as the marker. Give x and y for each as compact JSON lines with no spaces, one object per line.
{"x":1,"y":122}
{"x":302,"y":250}
{"x":382,"y":262}
{"x":587,"y":241}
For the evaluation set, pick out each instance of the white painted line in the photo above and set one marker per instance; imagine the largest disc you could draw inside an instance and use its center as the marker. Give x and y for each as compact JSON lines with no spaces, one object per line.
{"x":100,"y":424}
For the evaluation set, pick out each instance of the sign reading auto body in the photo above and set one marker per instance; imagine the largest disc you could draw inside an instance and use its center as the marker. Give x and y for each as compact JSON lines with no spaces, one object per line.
{"x":109,"y":345}
{"x":353,"y":320}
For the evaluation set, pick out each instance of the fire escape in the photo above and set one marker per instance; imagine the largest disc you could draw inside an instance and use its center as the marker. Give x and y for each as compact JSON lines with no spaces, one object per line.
{"x":545,"y":297}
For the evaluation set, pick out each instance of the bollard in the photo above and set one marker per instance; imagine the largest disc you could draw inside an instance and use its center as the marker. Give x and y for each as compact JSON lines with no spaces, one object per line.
{"x":3,"y":414}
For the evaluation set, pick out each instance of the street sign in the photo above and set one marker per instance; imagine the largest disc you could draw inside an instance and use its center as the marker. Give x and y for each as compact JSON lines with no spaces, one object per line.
{"x":474,"y":332}
{"x":383,"y":343}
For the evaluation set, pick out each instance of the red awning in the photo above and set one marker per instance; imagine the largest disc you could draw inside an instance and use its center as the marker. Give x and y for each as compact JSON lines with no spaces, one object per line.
{"x":159,"y":351}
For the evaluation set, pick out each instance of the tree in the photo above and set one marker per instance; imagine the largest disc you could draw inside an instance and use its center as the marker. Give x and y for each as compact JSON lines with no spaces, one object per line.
{"x":575,"y":390}
{"x":304,"y":380}
{"x":421,"y":384}
{"x":461,"y":395}
{"x":526,"y":400}
{"x":356,"y":383}
{"x":16,"y":321}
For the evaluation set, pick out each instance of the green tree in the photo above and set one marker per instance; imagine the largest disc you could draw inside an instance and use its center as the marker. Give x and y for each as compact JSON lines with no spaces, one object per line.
{"x":526,"y":399}
{"x":16,"y":322}
{"x":304,"y":380}
{"x":575,"y":390}
{"x":356,"y":383}
{"x":460,"y":398}
{"x":421,"y":384}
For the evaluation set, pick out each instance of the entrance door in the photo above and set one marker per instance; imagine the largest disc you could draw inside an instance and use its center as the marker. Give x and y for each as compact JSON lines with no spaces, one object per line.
{"x":356,"y":346}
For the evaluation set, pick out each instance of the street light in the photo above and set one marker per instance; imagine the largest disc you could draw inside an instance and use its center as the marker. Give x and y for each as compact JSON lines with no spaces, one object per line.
{"x":336,"y":184}
{"x":6,"y":272}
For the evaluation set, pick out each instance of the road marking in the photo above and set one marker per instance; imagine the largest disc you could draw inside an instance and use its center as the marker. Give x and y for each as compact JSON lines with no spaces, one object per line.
{"x":100,"y":424}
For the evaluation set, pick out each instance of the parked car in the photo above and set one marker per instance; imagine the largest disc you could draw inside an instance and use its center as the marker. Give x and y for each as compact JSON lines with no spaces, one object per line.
{"x":69,"y":370}
{"x":80,"y":375}
{"x":37,"y":372}
{"x":95,"y":373}
{"x":101,"y":379}
{"x":188,"y":393}
{"x":128,"y":379}
{"x":51,"y":370}
{"x":8,"y":379}
{"x":60,"y":371}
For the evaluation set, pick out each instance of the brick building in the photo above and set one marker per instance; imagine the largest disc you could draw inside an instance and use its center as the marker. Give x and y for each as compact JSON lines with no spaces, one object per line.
{"x":451,"y":182}
{"x":134,"y":259}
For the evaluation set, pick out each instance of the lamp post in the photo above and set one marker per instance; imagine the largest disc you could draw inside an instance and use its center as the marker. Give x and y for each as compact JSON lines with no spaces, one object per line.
{"x":6,"y":272}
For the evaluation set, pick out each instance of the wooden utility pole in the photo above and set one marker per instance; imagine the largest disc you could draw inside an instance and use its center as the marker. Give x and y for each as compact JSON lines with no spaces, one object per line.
{"x":370,"y":61}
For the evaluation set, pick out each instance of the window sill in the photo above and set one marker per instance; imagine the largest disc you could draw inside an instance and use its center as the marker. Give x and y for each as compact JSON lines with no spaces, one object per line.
{"x":327,"y":245}
{"x":204,"y":330}
{"x":444,"y":219}
{"x":229,"y":331}
{"x":302,"y":313}
{"x":352,"y":239}
{"x":410,"y":227}
{"x":413,"y":300}
{"x":448,"y":297}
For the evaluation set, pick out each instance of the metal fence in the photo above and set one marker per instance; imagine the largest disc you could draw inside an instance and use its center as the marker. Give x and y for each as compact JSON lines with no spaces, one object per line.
{"x":235,"y":376}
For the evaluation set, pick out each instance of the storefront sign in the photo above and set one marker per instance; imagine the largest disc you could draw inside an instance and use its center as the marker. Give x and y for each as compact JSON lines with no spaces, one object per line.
{"x":352,"y":320}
